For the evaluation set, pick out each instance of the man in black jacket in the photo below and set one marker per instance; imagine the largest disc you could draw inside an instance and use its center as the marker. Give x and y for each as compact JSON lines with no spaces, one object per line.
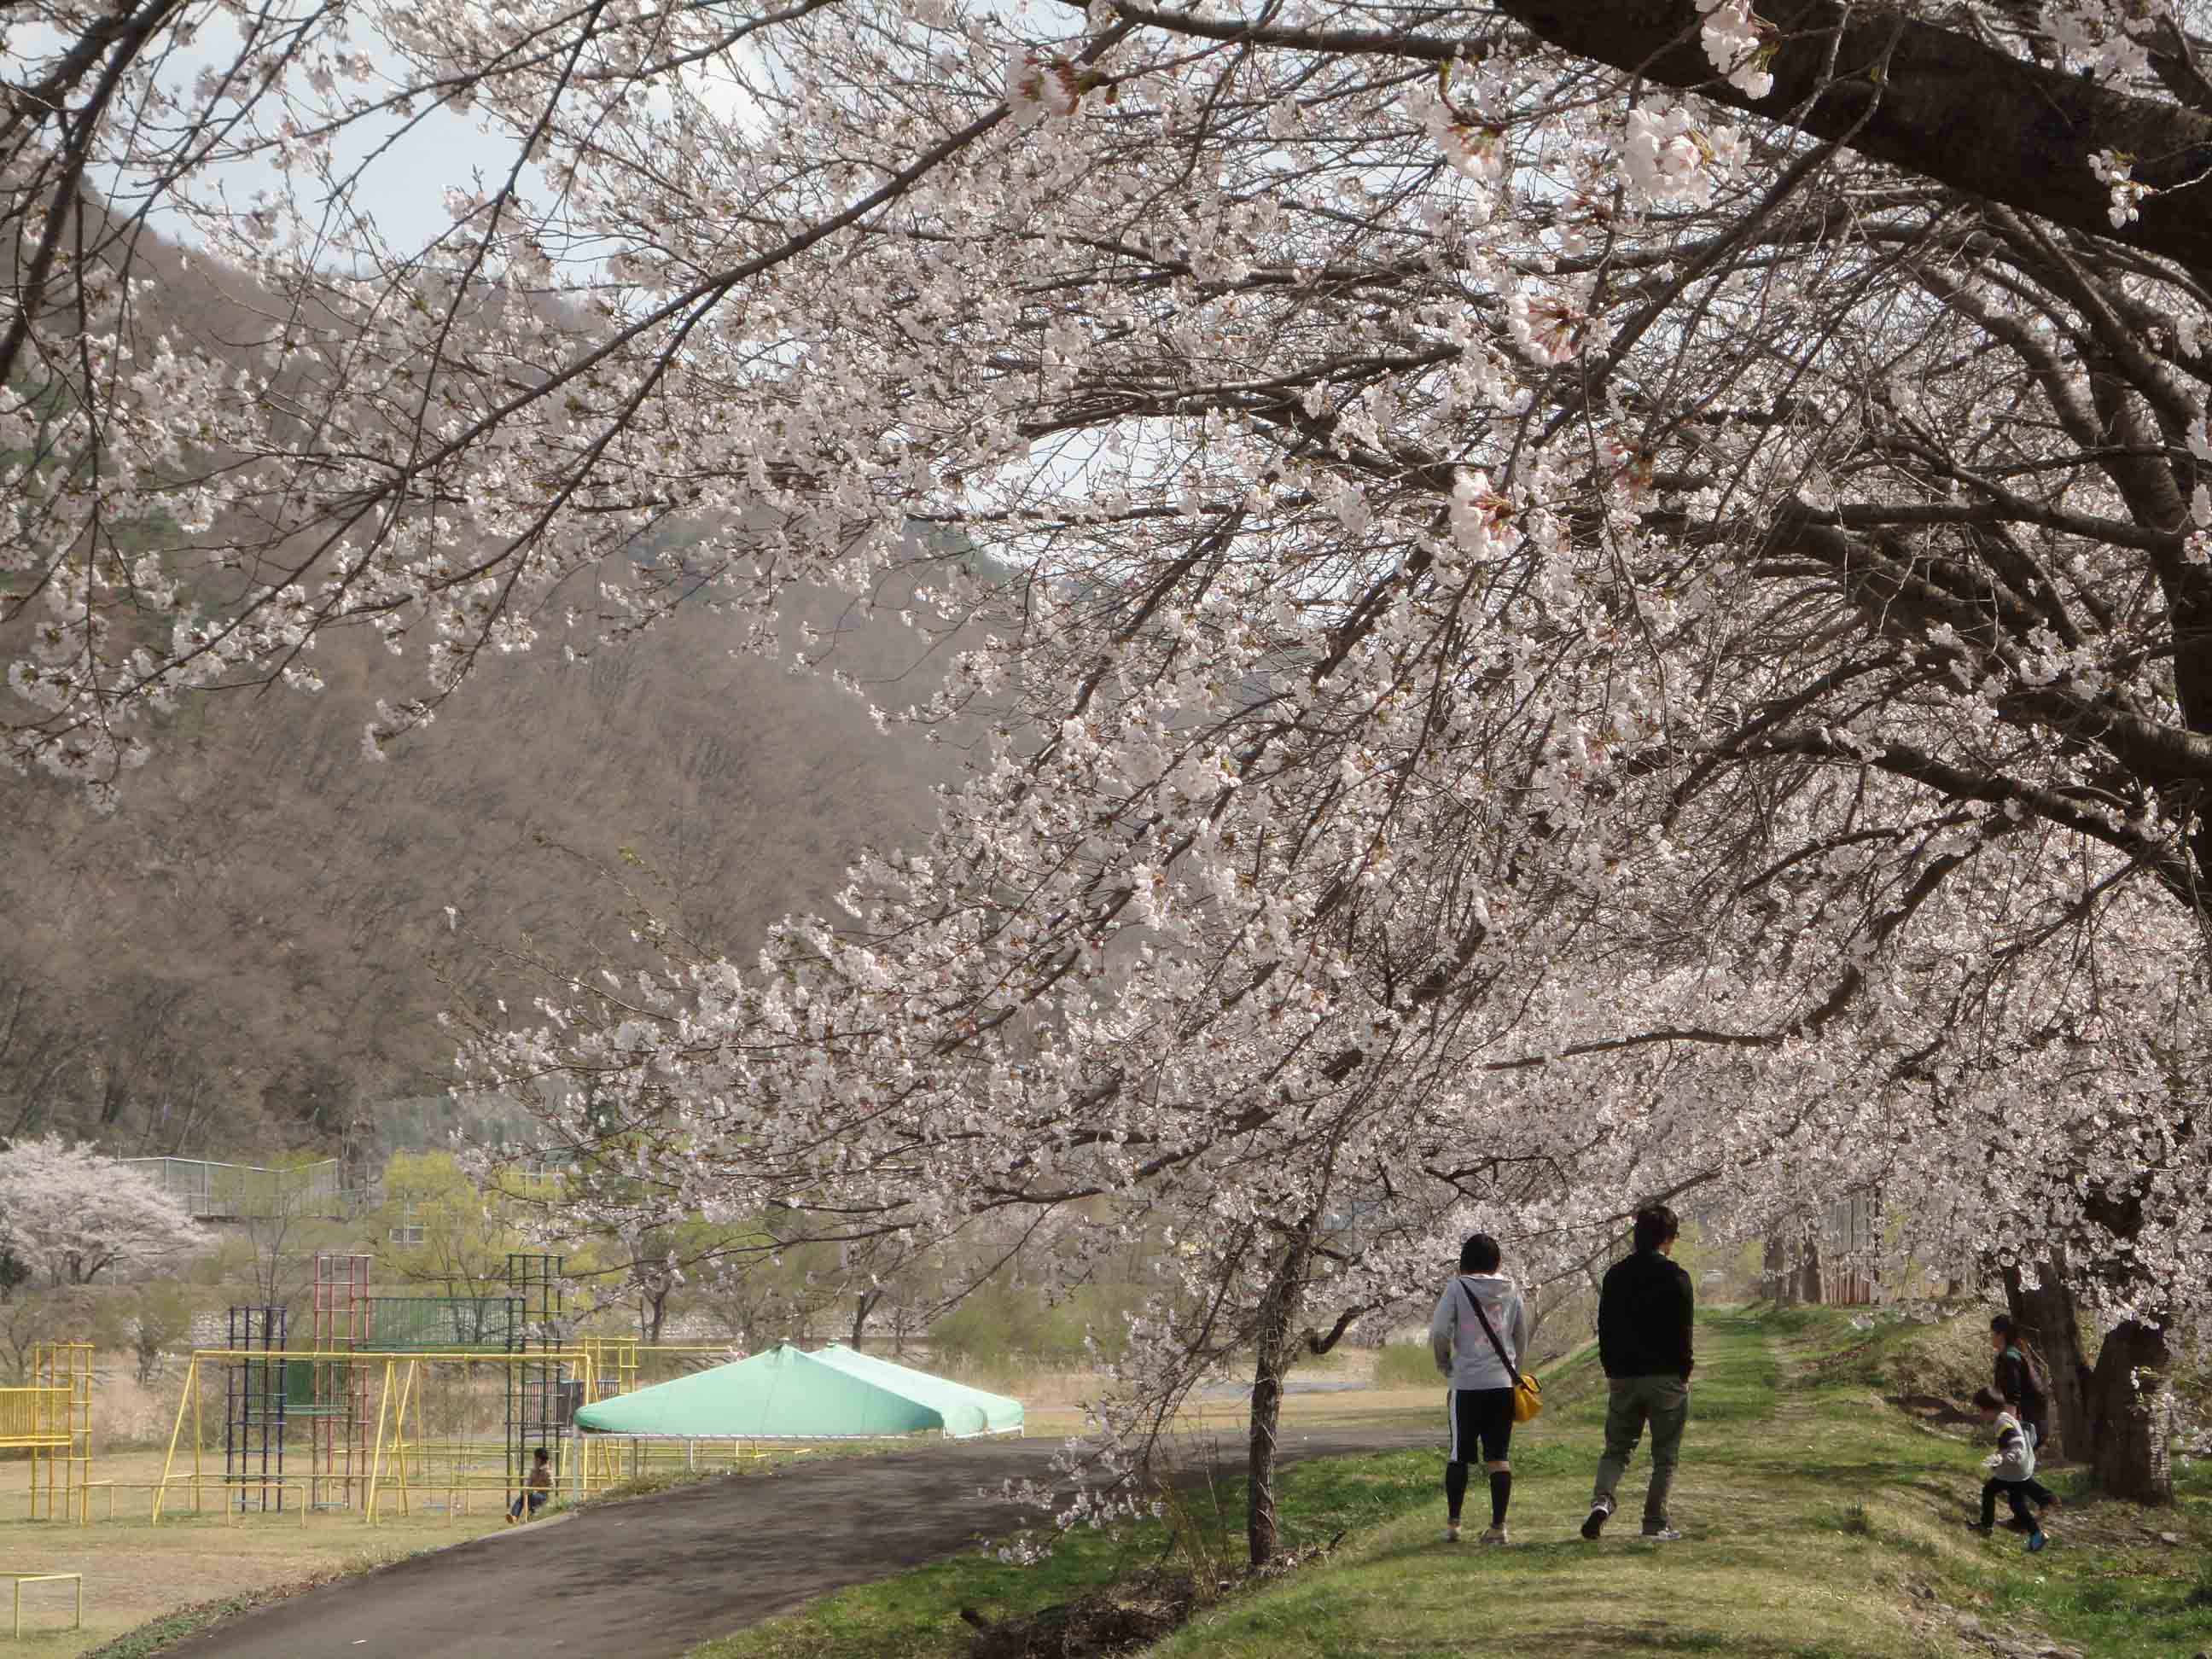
{"x":1643,"y":1311}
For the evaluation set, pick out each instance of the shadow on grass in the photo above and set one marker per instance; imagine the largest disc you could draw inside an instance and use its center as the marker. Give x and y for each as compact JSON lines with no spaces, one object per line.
{"x":1931,"y":1408}
{"x":1531,"y":1552}
{"x":1592,"y":1637}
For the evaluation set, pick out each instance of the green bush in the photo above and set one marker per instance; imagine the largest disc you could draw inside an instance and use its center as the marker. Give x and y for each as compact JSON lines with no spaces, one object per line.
{"x":1406,"y":1365}
{"x":1003,"y":1328}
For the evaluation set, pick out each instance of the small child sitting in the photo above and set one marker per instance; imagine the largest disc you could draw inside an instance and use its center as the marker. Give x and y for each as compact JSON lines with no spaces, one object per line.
{"x":536,"y":1489}
{"x":2012,"y":1472}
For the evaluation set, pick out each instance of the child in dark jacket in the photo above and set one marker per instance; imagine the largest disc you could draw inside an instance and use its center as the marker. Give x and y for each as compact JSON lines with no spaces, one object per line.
{"x":2019,"y":1379}
{"x":2012,"y":1472}
{"x":536,"y":1489}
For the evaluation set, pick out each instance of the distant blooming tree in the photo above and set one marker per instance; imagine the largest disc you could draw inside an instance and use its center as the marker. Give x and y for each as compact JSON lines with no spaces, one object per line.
{"x":1552,"y":603}
{"x":69,"y":1214}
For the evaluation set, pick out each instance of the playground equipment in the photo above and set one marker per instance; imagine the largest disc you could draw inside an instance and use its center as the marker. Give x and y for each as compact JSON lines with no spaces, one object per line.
{"x":23,"y":1578}
{"x":337,"y":1450}
{"x":425,"y":1432}
{"x":412,"y":1401}
{"x":391,"y":1394}
{"x":51,"y":1416}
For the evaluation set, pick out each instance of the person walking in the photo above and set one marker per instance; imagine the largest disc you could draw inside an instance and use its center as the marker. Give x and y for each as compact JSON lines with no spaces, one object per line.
{"x":2022,"y":1380}
{"x":2012,"y":1470}
{"x":1478,"y":1334}
{"x":1643,"y":1313}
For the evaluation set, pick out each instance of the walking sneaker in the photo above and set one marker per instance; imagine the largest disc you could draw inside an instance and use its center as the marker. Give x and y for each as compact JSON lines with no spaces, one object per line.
{"x":1494,"y":1535}
{"x":1594,"y":1522}
{"x":1979,"y":1527}
{"x":2036,"y":1540}
{"x":1451,"y":1532}
{"x":1660,"y":1534}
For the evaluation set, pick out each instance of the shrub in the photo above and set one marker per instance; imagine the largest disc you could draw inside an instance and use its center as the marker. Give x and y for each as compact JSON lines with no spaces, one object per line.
{"x":1406,"y":1365}
{"x":1003,"y":1328}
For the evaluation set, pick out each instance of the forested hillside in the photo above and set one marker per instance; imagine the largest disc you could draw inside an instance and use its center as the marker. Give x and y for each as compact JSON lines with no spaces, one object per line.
{"x":256,"y":951}
{"x":244,"y":958}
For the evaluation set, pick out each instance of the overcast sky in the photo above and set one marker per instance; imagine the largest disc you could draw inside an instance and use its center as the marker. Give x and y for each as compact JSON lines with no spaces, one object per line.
{"x":403,"y":189}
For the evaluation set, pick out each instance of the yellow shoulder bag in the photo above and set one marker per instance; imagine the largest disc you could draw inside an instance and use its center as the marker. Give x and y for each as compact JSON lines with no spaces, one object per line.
{"x":1528,"y":1393}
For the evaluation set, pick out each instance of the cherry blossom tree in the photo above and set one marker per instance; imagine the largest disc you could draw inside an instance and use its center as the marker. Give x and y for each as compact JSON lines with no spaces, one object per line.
{"x":1584,"y":602}
{"x":68,"y":1214}
{"x":194,"y":516}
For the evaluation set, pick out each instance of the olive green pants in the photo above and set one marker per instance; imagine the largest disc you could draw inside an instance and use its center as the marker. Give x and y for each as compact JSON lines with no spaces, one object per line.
{"x":1664,"y":1403}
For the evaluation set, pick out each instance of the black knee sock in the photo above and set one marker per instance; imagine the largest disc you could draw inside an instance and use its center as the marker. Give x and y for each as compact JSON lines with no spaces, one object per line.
{"x":1501,"y":1494}
{"x":1455,"y":1488}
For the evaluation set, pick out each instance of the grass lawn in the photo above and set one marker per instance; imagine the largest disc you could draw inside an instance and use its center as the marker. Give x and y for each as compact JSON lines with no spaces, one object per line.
{"x":1823,"y":1523}
{"x":134,"y":1571}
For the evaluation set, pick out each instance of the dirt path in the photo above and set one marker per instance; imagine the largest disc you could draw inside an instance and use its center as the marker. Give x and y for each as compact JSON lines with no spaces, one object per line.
{"x":651,"y":1578}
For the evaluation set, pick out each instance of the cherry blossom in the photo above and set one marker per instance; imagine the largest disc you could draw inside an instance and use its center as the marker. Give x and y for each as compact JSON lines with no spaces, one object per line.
{"x":1542,"y":614}
{"x":69,"y":1214}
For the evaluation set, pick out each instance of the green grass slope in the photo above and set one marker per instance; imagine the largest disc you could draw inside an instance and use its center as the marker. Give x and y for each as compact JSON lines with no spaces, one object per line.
{"x":1823,"y":1522}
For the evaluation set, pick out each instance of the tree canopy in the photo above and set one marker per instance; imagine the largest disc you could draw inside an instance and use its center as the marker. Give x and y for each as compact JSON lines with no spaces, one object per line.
{"x":1557,"y":604}
{"x":68,"y":1214}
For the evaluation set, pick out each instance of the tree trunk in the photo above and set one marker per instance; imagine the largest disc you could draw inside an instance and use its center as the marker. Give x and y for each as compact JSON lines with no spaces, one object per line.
{"x":1808,"y":1274}
{"x":1781,"y":1285}
{"x":2046,"y":1315}
{"x":2129,"y":1458}
{"x":1279,"y":1309}
{"x":868,"y":1300}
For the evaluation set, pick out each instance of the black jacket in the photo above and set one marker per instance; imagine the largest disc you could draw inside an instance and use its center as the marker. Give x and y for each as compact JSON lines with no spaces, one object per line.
{"x":1644,"y":1318}
{"x":2016,"y":1383}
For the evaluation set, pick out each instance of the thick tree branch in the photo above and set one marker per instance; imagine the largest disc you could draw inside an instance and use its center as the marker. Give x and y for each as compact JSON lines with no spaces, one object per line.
{"x":1949,"y":107}
{"x":1945,"y":106}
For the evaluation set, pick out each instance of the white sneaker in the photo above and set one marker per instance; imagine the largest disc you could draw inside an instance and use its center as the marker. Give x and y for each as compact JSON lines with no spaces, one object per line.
{"x":1451,"y":1532}
{"x":1660,"y":1534}
{"x":1494,"y":1535}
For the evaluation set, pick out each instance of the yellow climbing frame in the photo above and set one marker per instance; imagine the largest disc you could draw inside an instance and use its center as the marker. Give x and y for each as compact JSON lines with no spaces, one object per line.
{"x":51,"y":1416}
{"x":405,"y":1459}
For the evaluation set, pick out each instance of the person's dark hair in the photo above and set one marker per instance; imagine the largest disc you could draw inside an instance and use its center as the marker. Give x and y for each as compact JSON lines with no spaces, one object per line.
{"x":2016,"y":1336}
{"x":1989,"y":1400}
{"x":544,"y":1456}
{"x":1655,"y":1225}
{"x":1480,"y":1254}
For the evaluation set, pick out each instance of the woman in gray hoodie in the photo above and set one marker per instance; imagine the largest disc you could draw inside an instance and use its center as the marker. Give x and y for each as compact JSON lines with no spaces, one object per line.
{"x":1478,"y":1334}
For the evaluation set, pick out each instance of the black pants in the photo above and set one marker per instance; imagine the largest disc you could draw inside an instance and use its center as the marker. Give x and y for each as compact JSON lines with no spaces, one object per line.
{"x":2017,"y":1492}
{"x":1484,"y":1417}
{"x":1481,"y":1420}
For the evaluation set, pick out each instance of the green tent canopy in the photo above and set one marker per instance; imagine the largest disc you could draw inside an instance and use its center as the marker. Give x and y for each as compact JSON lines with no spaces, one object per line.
{"x":786,"y":1394}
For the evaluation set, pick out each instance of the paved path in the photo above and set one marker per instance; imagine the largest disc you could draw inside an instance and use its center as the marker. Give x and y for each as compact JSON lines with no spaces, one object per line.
{"x":650,"y":1578}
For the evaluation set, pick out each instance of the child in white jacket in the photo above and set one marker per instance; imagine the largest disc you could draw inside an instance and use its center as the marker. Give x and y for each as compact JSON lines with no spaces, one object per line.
{"x":2012,"y":1470}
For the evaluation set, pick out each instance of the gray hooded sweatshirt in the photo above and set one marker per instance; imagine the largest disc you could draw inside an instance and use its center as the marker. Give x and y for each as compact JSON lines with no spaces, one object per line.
{"x":2014,"y":1458}
{"x":1463,"y":1354}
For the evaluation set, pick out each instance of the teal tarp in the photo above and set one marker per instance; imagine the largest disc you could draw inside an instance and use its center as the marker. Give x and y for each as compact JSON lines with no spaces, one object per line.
{"x":964,"y":1411}
{"x":786,"y":1394}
